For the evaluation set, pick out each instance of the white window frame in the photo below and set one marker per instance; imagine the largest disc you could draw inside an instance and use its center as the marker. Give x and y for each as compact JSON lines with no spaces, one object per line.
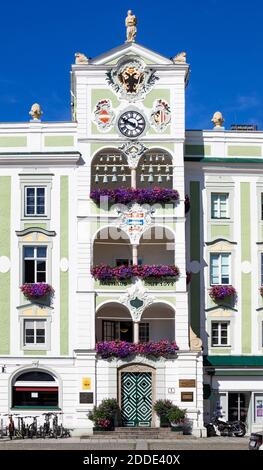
{"x":36,"y":180}
{"x":35,"y":259}
{"x":220,"y":268}
{"x":35,"y":187}
{"x":220,"y":345}
{"x":35,"y":346}
{"x":219,"y":194}
{"x":35,"y":322}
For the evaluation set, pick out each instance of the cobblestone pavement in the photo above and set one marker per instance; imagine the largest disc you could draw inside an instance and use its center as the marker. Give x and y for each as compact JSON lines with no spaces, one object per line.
{"x":217,"y":443}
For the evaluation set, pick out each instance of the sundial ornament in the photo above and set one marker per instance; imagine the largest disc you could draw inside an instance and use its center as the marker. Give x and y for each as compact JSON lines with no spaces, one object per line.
{"x":131,"y":79}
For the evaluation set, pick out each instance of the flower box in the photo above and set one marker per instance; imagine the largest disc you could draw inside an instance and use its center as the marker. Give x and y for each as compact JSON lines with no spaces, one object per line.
{"x":36,"y":291}
{"x":221,"y":292}
{"x":151,"y":274}
{"x":140,"y":195}
{"x":123,"y":349}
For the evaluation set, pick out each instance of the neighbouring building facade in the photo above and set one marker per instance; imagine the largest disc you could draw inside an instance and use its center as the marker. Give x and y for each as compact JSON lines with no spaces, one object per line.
{"x":98,"y":245}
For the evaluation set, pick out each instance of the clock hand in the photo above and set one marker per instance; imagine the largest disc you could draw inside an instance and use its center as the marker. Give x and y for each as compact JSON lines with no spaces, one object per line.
{"x":131,"y":123}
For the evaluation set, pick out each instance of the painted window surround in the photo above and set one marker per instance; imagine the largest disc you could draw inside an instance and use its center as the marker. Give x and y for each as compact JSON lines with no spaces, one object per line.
{"x":219,"y":333}
{"x":217,"y":201}
{"x":216,"y":187}
{"x":36,"y":179}
{"x":227,"y":316}
{"x":49,"y":246}
{"x":220,"y":246}
{"x":220,"y":267}
{"x":39,"y":347}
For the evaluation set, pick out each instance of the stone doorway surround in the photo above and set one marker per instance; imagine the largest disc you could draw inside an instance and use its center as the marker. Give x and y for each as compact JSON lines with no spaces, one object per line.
{"x":139,"y":368}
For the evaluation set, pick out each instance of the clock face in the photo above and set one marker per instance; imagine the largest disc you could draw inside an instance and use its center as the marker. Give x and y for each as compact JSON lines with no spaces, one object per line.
{"x":131,"y":124}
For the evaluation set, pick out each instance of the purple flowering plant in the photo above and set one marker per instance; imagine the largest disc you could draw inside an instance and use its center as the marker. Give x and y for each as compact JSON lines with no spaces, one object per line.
{"x":220,"y":292}
{"x":140,"y":195}
{"x":123,"y":349}
{"x":36,"y":290}
{"x":121,"y":274}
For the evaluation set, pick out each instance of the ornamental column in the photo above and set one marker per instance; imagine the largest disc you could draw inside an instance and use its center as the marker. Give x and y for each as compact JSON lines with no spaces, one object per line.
{"x":136,"y":332}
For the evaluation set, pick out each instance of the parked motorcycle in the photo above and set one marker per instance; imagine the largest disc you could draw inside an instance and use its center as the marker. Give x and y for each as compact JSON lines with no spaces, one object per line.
{"x":225,"y":428}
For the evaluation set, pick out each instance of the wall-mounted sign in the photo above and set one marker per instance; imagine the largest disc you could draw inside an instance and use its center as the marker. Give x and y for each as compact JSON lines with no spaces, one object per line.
{"x":187,"y":383}
{"x":86,"y":397}
{"x":187,"y":396}
{"x":86,"y":383}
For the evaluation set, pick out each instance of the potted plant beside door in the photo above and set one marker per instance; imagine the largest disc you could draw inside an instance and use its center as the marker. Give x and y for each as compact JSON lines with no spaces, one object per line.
{"x":161,"y":407}
{"x":176,"y":417}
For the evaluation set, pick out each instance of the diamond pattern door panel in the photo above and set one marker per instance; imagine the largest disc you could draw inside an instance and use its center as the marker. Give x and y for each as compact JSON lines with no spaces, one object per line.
{"x":136,"y":398}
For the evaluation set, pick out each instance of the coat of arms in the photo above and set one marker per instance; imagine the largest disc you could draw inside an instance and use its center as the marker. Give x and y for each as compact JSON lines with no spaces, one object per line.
{"x":104,"y":115}
{"x":131,"y":79}
{"x":161,"y":115}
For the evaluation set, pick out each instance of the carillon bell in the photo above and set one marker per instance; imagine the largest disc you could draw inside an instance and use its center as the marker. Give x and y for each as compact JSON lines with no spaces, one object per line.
{"x":105,"y":179}
{"x":114,"y":178}
{"x":96,"y":178}
{"x":150,"y":178}
{"x":123,"y":177}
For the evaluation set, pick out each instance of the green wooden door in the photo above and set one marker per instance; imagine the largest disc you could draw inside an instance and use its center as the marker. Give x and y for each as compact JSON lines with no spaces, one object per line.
{"x":136,"y":398}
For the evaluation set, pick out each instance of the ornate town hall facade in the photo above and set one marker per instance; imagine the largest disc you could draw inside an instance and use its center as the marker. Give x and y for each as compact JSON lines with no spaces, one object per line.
{"x":130,"y":264}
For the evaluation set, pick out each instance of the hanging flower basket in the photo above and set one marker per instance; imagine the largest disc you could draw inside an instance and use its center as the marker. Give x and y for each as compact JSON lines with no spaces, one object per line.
{"x":37,"y":291}
{"x":186,"y":204}
{"x":122,"y":349}
{"x":152,"y":274}
{"x":140,"y":195}
{"x":220,"y":292}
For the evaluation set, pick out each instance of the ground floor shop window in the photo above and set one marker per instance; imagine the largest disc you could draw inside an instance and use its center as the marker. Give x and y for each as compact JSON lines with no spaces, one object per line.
{"x":35,"y":389}
{"x":258,"y":408}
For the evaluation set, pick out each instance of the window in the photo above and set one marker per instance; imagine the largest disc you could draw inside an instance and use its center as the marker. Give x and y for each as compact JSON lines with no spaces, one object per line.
{"x":219,"y":206}
{"x":126,"y":262}
{"x":220,"y":268}
{"x":115,"y":330}
{"x":143,"y":332}
{"x":261,"y":212}
{"x":35,"y":201}
{"x":220,"y":333}
{"x":35,"y":263}
{"x":34,"y":332}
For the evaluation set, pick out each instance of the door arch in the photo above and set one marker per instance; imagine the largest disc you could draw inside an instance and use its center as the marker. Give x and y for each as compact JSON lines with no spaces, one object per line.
{"x":136,"y":394}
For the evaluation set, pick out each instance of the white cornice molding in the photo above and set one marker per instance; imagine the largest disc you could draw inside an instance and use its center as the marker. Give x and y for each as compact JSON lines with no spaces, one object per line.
{"x":61,"y":159}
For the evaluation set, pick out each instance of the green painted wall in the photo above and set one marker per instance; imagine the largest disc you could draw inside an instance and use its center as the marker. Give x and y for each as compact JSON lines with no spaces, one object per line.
{"x":197,"y":150}
{"x":64,"y":282}
{"x":156,"y":94}
{"x":244,"y":151}
{"x":220,"y":231}
{"x":5,"y":212}
{"x":245,"y":256}
{"x":59,"y":141}
{"x":13,"y":141}
{"x":195,"y":255}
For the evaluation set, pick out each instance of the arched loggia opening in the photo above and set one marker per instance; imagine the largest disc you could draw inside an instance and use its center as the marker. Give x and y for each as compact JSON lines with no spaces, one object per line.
{"x":155,"y":168}
{"x":157,"y":246}
{"x":114,"y":322}
{"x":112,"y":247}
{"x":157,"y":323}
{"x":109,"y":170}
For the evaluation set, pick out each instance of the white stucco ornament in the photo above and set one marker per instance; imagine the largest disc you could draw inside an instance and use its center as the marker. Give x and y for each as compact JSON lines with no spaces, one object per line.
{"x":64,"y":265}
{"x":136,"y":300}
{"x":135,"y":220}
{"x":246,"y":267}
{"x":4,"y":264}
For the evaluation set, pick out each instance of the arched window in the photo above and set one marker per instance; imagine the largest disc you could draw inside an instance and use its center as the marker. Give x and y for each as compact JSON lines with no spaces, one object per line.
{"x":35,"y":389}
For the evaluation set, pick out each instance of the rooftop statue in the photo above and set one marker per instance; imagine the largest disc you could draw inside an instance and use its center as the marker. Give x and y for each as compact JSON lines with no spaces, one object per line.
{"x":36,"y":112}
{"x":180,"y":58}
{"x":131,"y":30}
{"x":217,"y":119}
{"x":81,"y":58}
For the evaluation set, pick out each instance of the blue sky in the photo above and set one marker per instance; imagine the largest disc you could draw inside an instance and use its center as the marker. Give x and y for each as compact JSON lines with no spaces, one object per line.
{"x":223,"y":40}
